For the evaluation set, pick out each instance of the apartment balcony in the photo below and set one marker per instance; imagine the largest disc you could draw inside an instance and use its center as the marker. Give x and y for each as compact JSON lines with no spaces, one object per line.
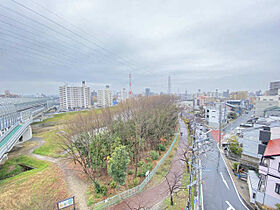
{"x":263,"y":169}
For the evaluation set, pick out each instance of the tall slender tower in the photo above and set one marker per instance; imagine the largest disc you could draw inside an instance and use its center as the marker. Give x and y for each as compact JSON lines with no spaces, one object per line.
{"x":169,"y":85}
{"x":130,"y":89}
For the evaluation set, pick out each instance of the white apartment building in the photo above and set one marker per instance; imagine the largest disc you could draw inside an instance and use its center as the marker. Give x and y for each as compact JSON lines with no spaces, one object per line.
{"x":72,"y":98}
{"x":104,"y":97}
{"x":212,"y":114}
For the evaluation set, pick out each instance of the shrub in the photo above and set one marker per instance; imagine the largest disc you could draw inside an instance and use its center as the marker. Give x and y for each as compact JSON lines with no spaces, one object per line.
{"x":140,"y":163}
{"x":103,"y":190}
{"x":136,"y":181}
{"x":100,"y":188}
{"x":148,"y":159}
{"x":235,"y":148}
{"x":235,"y":165}
{"x":97,"y":187}
{"x":162,"y":147}
{"x":154,"y":155}
{"x":113,"y":184}
{"x":146,"y":167}
{"x":130,"y":172}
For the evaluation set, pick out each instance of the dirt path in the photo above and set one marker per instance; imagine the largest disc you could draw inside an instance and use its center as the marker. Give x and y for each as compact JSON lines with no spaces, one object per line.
{"x":154,"y":195}
{"x":75,"y":185}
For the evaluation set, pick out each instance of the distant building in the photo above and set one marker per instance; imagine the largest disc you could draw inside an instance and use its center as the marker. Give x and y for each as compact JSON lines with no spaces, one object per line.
{"x":226,"y":94}
{"x":147,"y":91}
{"x":239,"y":95}
{"x":274,"y":88}
{"x":264,"y":102}
{"x":105,"y":97}
{"x":72,"y":98}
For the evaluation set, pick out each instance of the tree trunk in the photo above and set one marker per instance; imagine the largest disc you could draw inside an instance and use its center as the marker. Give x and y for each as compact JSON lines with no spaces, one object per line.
{"x":171,"y":200}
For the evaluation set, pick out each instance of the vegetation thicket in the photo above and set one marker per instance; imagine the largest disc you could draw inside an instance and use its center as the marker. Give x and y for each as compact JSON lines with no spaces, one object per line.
{"x":121,"y":141}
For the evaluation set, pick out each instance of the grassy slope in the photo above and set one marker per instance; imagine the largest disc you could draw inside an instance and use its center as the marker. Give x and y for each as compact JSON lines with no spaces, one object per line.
{"x":51,"y":146}
{"x":35,"y":189}
{"x":163,"y":170}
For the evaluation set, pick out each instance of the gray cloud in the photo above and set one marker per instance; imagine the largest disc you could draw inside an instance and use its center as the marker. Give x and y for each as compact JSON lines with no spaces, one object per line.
{"x":201,"y":44}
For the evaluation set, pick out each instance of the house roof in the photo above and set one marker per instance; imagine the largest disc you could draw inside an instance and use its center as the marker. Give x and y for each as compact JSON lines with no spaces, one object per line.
{"x":272,"y":148}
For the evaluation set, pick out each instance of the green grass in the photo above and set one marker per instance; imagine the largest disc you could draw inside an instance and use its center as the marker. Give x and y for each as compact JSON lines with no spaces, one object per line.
{"x":51,"y":146}
{"x":11,"y":169}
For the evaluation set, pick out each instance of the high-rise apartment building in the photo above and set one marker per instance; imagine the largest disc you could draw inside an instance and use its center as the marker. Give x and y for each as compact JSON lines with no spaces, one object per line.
{"x":274,"y":88}
{"x":72,"y":98}
{"x":105,"y":97}
{"x":147,"y":91}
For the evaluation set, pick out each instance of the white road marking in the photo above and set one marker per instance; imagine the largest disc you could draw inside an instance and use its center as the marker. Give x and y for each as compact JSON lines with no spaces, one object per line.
{"x":232,"y":179}
{"x":224,"y":180}
{"x":230,"y":207}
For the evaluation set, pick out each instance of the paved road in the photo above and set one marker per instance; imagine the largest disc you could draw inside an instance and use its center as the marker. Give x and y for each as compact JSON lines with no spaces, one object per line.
{"x":218,"y":189}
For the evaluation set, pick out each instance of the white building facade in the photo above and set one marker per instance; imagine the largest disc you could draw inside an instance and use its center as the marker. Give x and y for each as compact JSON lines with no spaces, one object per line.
{"x":104,"y":97}
{"x":212,"y":114}
{"x":72,"y":98}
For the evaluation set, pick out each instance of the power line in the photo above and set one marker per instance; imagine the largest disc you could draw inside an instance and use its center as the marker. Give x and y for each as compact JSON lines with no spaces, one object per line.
{"x":36,"y":35}
{"x":79,"y":29}
{"x":62,"y":26}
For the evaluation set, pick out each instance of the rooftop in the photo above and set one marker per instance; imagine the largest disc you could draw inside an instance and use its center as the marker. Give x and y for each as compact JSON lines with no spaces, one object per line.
{"x":272,"y":148}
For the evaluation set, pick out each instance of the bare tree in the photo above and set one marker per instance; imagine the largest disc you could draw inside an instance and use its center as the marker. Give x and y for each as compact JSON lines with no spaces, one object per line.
{"x":173,"y":180}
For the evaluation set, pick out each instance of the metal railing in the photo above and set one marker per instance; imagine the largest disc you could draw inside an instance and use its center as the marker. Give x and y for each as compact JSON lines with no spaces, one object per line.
{"x":128,"y":193}
{"x":9,"y":145}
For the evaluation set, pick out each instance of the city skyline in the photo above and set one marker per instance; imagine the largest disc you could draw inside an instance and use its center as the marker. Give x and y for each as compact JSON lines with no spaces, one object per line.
{"x":205,"y":46}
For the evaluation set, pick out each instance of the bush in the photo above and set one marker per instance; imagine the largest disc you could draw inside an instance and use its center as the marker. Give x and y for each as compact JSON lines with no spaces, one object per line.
{"x":97,"y":187}
{"x":235,"y":148}
{"x":140,"y":163}
{"x":142,"y":171}
{"x":235,"y":165}
{"x":113,"y":184}
{"x":136,"y":181}
{"x":154,"y":155}
{"x":162,"y":147}
{"x":148,"y":159}
{"x":130,"y":172}
{"x":100,"y":188}
{"x":104,"y":190}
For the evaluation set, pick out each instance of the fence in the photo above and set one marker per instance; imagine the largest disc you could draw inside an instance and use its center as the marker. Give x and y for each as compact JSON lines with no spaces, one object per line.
{"x":128,"y":193}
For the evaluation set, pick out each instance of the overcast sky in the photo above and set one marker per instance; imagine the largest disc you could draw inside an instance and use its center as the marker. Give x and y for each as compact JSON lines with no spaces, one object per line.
{"x":202,"y":44}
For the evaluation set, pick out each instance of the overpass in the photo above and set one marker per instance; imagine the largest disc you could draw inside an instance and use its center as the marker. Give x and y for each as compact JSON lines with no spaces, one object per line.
{"x":16,"y":115}
{"x":19,"y":132}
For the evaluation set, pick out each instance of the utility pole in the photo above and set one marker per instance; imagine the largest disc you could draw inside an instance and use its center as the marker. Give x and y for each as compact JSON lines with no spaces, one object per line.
{"x":189,"y":205}
{"x":220,"y":119}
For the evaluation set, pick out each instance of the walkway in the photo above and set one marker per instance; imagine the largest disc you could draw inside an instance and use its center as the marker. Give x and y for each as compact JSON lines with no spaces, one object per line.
{"x":9,"y":136}
{"x":154,"y":195}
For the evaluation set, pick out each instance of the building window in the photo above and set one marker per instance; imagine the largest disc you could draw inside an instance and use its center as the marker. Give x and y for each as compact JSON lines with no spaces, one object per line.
{"x":277,"y":188}
{"x":279,"y":167}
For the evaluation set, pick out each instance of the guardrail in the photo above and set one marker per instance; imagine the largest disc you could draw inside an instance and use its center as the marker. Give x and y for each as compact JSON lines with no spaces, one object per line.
{"x":128,"y":193}
{"x":9,"y":145}
{"x":8,"y":131}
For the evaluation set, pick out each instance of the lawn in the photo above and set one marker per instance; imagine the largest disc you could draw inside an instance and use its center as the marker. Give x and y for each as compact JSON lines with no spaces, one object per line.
{"x":51,"y":147}
{"x":39,"y":188}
